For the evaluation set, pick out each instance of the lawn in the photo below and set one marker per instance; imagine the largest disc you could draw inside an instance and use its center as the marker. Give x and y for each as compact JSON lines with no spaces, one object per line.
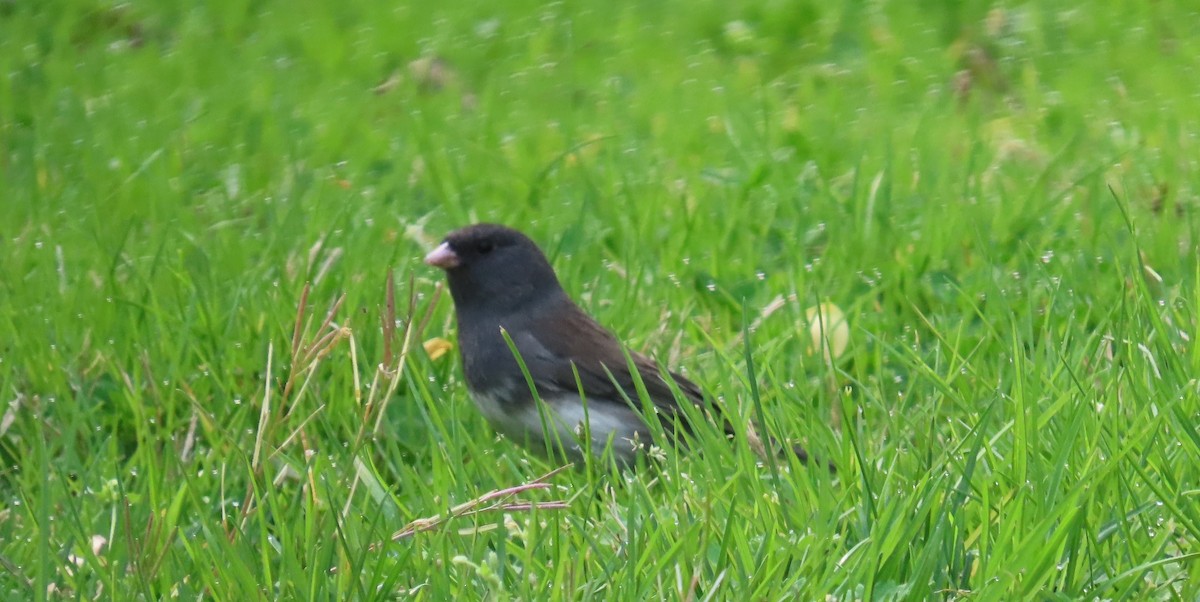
{"x":225,"y":373}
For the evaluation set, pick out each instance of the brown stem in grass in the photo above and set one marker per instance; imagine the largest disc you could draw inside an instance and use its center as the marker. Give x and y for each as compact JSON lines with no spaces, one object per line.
{"x":304,"y":359}
{"x":433,"y":302}
{"x":299,"y":319}
{"x":306,"y":353}
{"x":389,"y":317}
{"x":492,"y":501}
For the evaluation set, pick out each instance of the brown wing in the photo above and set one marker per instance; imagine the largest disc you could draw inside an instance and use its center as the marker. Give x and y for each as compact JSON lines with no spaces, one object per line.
{"x":600,"y":361}
{"x":604,"y":370}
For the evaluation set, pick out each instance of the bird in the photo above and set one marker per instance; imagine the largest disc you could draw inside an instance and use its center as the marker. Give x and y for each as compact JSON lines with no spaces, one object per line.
{"x":506,"y":292}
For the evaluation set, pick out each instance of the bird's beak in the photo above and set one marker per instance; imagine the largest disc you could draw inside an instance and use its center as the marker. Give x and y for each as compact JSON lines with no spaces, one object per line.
{"x":443,"y":257}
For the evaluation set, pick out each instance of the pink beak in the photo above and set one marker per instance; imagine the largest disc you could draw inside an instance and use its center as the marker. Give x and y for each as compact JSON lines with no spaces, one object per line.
{"x":443,"y":257}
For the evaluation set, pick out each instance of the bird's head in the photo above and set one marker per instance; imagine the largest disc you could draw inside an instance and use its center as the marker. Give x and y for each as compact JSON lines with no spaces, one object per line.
{"x":494,"y":267}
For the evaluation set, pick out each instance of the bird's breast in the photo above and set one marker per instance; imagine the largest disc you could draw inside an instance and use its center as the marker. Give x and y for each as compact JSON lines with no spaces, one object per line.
{"x":503,"y":406}
{"x":488,"y":363}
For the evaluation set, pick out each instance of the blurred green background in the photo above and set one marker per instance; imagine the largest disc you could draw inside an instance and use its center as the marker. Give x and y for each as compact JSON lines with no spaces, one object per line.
{"x":1001,"y":197}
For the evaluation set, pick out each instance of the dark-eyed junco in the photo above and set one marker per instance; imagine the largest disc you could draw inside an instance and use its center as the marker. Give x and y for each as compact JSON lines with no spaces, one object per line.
{"x":502,"y":283}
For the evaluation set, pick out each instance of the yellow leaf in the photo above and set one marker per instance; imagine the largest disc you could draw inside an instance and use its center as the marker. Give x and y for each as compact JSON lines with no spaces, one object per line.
{"x":437,"y":347}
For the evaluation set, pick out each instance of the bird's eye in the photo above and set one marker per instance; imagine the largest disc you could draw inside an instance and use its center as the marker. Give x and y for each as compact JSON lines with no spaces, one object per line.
{"x":484,"y":247}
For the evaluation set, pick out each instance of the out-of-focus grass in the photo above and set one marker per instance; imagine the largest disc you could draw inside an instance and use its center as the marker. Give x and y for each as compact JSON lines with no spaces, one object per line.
{"x":1001,"y":199}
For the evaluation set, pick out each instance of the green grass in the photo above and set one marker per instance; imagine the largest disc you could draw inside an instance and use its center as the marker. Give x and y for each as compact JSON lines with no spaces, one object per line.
{"x":1002,"y":200}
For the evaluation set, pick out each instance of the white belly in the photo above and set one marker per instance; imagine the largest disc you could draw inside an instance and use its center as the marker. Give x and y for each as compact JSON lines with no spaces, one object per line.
{"x":563,"y":419}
